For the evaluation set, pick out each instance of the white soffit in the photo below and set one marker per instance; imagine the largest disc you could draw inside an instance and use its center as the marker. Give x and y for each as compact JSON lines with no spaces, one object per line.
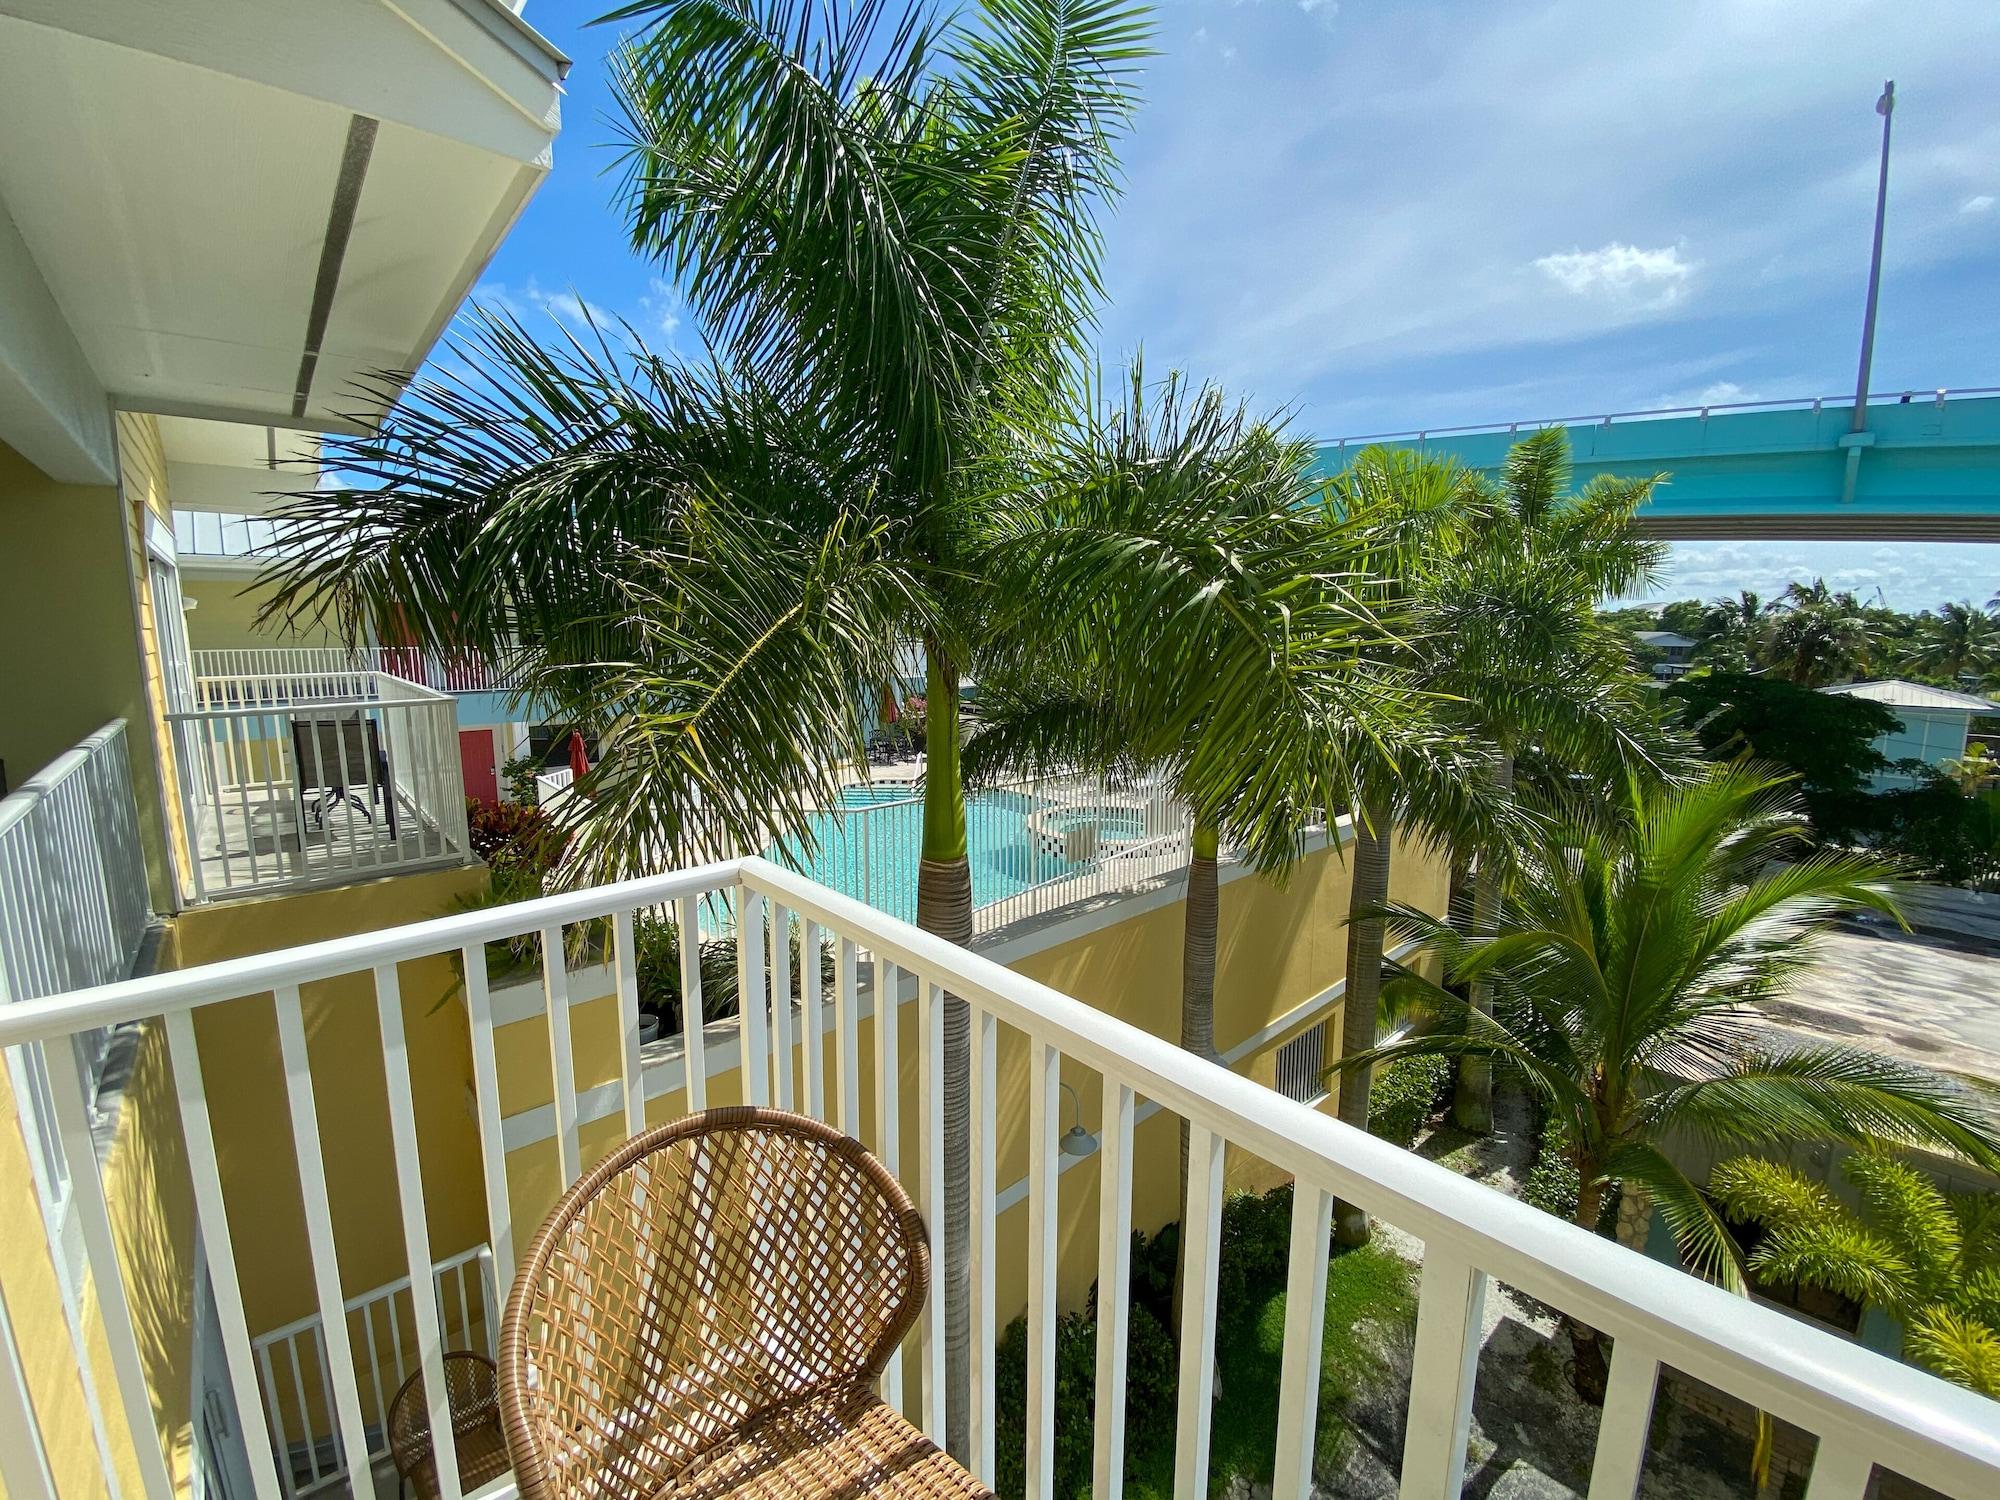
{"x":245,"y":237}
{"x":233,"y":467}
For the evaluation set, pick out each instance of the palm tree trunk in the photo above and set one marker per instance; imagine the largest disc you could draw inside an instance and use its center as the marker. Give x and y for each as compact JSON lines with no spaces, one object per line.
{"x":1369,"y":887}
{"x":1591,"y":1372}
{"x":944,"y":907}
{"x":1472,"y":1100}
{"x":1197,"y":995}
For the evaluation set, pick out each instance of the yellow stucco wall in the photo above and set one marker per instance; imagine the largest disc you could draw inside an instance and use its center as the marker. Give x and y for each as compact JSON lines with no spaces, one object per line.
{"x":66,"y":607}
{"x":143,"y":485}
{"x":225,"y":615}
{"x":34,"y":1306}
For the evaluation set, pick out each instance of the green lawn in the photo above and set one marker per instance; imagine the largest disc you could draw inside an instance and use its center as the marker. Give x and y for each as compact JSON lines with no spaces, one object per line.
{"x":1364,"y":1287}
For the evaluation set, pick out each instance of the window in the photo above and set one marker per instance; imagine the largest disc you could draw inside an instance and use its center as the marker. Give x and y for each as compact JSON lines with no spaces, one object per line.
{"x":1302,"y":1065}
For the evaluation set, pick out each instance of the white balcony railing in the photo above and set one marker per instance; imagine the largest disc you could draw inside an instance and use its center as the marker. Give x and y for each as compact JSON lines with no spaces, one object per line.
{"x":74,"y":910}
{"x":1864,"y":1409}
{"x":437,"y":670}
{"x":294,"y":776}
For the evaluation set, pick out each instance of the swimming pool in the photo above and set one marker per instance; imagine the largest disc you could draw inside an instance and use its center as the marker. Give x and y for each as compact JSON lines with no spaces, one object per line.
{"x":868,"y":848}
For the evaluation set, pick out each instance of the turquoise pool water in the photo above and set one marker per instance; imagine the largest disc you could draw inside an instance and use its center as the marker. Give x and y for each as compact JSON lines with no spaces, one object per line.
{"x":873,"y":857}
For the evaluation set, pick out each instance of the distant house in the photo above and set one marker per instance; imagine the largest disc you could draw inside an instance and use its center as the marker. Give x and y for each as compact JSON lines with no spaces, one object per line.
{"x":1676,"y":652}
{"x":1934,"y":723}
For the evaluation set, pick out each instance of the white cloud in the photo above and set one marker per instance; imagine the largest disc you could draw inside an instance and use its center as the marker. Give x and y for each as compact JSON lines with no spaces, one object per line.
{"x":1331,"y":7}
{"x":1978,"y":204}
{"x":1622,"y":273}
{"x":532,"y":298}
{"x":661,"y":309}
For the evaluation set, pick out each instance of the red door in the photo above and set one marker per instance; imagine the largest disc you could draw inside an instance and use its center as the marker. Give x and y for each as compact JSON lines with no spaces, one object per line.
{"x":475,"y":759}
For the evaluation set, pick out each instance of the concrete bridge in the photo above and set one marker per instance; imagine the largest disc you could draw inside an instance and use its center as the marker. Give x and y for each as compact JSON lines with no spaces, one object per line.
{"x":1925,"y":467}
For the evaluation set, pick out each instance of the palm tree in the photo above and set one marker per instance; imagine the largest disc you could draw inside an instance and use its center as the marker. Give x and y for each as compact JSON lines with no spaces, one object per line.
{"x":1191,"y":614}
{"x":1818,"y":635}
{"x":1628,"y":965}
{"x":1409,"y":508}
{"x":885,"y":223}
{"x":1530,"y":658}
{"x":1732,"y":629}
{"x":1957,"y":642}
{"x":1930,"y":1258}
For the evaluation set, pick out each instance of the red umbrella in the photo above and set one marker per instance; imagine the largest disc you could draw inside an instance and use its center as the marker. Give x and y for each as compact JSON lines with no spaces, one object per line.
{"x":579,"y":758}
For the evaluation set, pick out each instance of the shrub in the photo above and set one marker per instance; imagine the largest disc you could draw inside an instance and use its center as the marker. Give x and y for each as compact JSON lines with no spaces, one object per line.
{"x":1256,"y":1243}
{"x":512,"y":833}
{"x":518,"y":777}
{"x":1150,"y":1383}
{"x":1404,"y":1095}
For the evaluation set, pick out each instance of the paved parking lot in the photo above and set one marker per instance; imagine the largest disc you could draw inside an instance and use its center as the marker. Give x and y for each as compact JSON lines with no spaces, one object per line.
{"x":1928,"y":1000}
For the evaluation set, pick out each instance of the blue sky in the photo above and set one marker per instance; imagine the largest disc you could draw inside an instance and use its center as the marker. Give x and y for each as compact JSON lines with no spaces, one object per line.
{"x":1384,"y":216}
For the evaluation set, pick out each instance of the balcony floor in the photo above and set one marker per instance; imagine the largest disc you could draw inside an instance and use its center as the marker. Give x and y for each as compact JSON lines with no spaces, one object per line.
{"x":254,"y":840}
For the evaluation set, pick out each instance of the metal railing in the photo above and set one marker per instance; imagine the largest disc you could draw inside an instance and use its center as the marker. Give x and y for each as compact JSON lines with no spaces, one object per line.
{"x":74,"y":909}
{"x":1936,"y":397}
{"x":436,"y":670}
{"x":1864,"y":1409}
{"x":297,"y":1379}
{"x":304,"y":777}
{"x":1034,"y":846}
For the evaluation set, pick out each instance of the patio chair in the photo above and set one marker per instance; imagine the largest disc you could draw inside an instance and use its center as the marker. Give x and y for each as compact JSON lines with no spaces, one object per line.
{"x":707,"y":1312}
{"x":335,"y":756}
{"x":470,"y":1384}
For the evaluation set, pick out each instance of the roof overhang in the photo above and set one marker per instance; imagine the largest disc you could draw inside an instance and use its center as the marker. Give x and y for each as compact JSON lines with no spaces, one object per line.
{"x":234,"y":468}
{"x":240,"y":209}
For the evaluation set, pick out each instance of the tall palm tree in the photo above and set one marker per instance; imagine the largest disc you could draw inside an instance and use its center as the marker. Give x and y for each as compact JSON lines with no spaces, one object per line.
{"x":1956,"y":642}
{"x":1531,"y":660}
{"x":1193,"y":615}
{"x":1407,"y":509}
{"x":1818,"y":635}
{"x":1628,"y":965}
{"x":884,"y":220}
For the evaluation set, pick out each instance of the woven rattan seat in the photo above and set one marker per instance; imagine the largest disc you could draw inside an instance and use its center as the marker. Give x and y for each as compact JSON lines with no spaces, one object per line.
{"x":707,"y":1312}
{"x":475,"y":1421}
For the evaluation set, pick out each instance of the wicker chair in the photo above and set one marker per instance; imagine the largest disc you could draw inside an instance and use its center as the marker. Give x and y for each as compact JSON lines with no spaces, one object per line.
{"x":707,"y":1311}
{"x":475,"y":1422}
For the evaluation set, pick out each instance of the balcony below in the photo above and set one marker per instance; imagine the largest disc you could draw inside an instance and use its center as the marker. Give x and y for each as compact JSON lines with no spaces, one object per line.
{"x":290,"y":779}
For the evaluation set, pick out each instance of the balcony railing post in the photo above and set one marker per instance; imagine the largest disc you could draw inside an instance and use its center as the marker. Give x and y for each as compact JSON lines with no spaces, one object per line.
{"x":1450,"y":1304}
{"x":1305,"y":1330}
{"x":486,"y":1099}
{"x":1114,"y":1285}
{"x":72,"y":1111}
{"x":1044,"y":1116}
{"x":416,"y":1225}
{"x":219,"y":1253}
{"x":1840,"y":1471}
{"x":319,"y":1239}
{"x":562,"y":1065}
{"x":1201,"y":1246}
{"x":1628,"y":1415}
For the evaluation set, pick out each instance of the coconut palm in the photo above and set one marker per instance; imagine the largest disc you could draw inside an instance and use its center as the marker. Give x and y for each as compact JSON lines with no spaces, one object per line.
{"x":1628,"y":965}
{"x":1732,"y":630}
{"x":1957,"y":642}
{"x":1929,"y":1258}
{"x":1530,"y":658}
{"x":1818,"y":635}
{"x":1192,"y":615}
{"x":884,"y":221}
